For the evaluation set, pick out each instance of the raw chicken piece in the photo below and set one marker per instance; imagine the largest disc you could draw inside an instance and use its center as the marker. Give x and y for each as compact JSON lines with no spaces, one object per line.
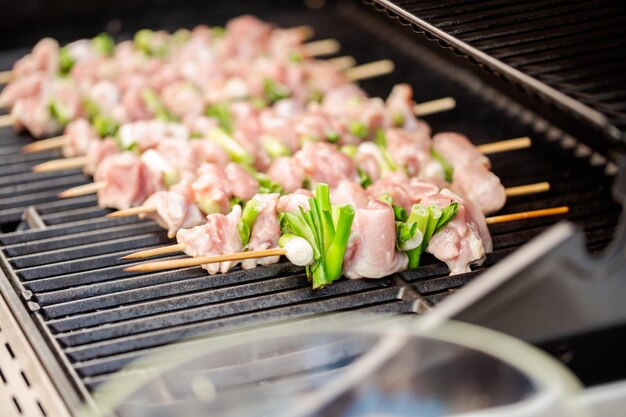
{"x":458,"y":150}
{"x":458,"y":244}
{"x":371,"y":251}
{"x":342,"y":98}
{"x":212,"y":189}
{"x":265,"y":231}
{"x":78,"y":137}
{"x":175,"y":209}
{"x":323,"y":162}
{"x":219,"y":236}
{"x":481,"y":186}
{"x":200,"y":125}
{"x":292,"y":202}
{"x":348,"y":192}
{"x":32,"y":114}
{"x":400,"y":108}
{"x":207,"y":151}
{"x":97,"y":151}
{"x":26,"y":86}
{"x":183,"y":100}
{"x":472,"y":176}
{"x":181,"y":155}
{"x":409,"y":150}
{"x":286,"y":172}
{"x":147,"y":134}
{"x":403,"y":191}
{"x":243,"y":185}
{"x":135,"y":106}
{"x":128,"y":181}
{"x":246,"y":37}
{"x":43,"y":58}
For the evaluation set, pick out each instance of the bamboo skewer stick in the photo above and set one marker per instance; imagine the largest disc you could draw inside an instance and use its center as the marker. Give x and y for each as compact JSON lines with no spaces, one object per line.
{"x":149,"y":253}
{"x":369,"y":70}
{"x":183,"y":263}
{"x":45,"y":144}
{"x":133,"y":211}
{"x":164,"y":250}
{"x":61,"y":164}
{"x":504,"y":218}
{"x":6,"y":77}
{"x":342,"y":63}
{"x":92,"y":188}
{"x":434,"y":106}
{"x":323,"y":47}
{"x":307,"y":31}
{"x":539,"y":187}
{"x":6,"y":120}
{"x":505,"y":145}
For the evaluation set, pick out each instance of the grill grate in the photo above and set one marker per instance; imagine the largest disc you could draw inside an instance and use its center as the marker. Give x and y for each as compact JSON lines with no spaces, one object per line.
{"x":571,"y":47}
{"x":97,"y":318}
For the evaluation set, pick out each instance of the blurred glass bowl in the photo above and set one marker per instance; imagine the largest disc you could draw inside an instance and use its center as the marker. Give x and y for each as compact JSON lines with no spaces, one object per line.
{"x":338,"y":366}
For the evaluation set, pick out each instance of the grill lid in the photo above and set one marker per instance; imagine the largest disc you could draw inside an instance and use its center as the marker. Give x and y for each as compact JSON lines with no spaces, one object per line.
{"x":571,"y":54}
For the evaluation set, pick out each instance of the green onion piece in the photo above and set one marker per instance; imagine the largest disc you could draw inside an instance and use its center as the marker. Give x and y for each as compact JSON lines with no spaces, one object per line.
{"x":58,"y":112}
{"x":208,"y":206}
{"x":218,"y":31}
{"x":350,"y":150}
{"x":364,"y":179}
{"x":91,"y":108}
{"x":222,"y":113}
{"x":299,"y":250}
{"x":266,"y":185}
{"x":380,"y":138}
{"x":143,"y":41}
{"x":332,"y":136}
{"x":397,"y":119}
{"x":322,"y":194}
{"x":156,"y":106}
{"x":248,"y":217}
{"x":433,"y":220}
{"x":105,"y":126}
{"x":258,"y":103}
{"x":408,"y":236}
{"x":419,"y":215}
{"x":337,"y":249}
{"x":399,"y":213}
{"x":447,"y":166}
{"x":170,"y":178}
{"x":295,"y":57}
{"x":447,"y":216}
{"x":103,"y":44}
{"x":66,"y":62}
{"x":274,"y":148}
{"x":358,"y":129}
{"x":236,"y":152}
{"x":181,"y":36}
{"x":316,"y":96}
{"x":274,"y":91}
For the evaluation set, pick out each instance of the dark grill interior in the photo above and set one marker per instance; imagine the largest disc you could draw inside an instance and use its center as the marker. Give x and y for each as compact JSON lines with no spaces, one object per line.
{"x":99,"y":318}
{"x":575,"y":47}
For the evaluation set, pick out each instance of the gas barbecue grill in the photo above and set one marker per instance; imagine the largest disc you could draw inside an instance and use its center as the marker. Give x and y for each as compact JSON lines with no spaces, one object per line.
{"x":70,"y":317}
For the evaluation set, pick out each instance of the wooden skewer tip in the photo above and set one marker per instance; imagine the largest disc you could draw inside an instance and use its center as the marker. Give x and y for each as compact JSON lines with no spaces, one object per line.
{"x":133,"y":211}
{"x":155,"y":252}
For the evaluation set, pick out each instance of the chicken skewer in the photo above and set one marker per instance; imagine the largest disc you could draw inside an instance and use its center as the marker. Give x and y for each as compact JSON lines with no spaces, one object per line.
{"x":520,"y":190}
{"x":352,"y":251}
{"x":422,"y":109}
{"x":505,"y":218}
{"x":357,"y":73}
{"x":305,"y":32}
